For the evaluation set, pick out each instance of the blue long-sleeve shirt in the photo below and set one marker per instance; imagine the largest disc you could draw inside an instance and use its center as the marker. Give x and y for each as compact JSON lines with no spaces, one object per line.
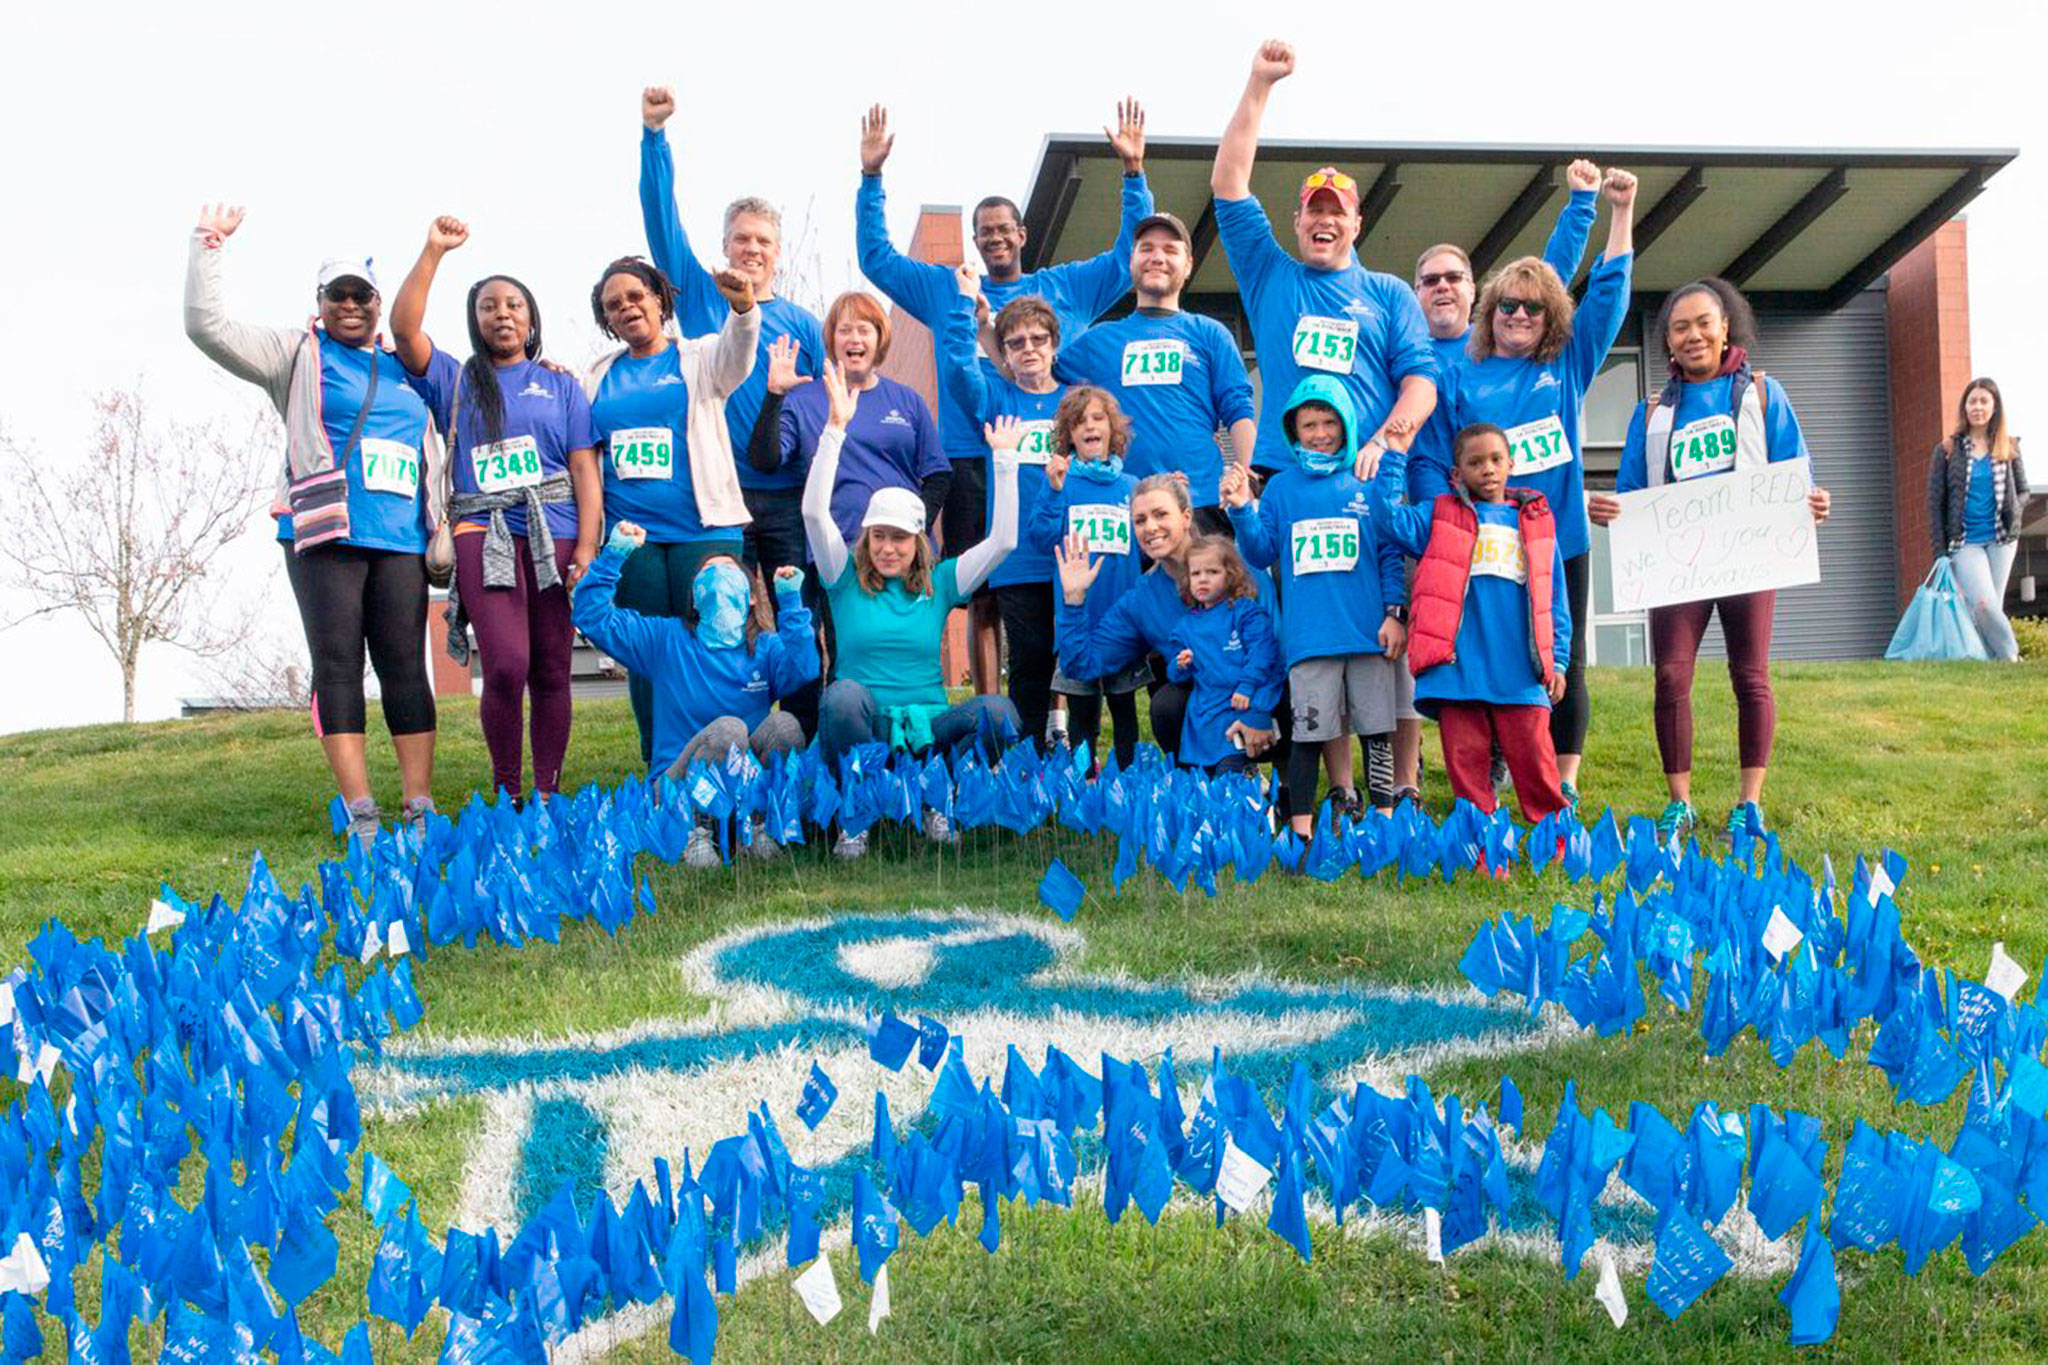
{"x":1337,"y":575}
{"x":1100,"y":644}
{"x":1100,"y":512}
{"x":1494,"y":658}
{"x":1234,"y":654}
{"x":1079,"y":291}
{"x":693,"y":683}
{"x":1179,"y":377}
{"x":1360,"y":325}
{"x":1538,"y":403}
{"x":1429,"y":473}
{"x":701,"y":310}
{"x":1713,"y":405}
{"x":982,"y":394}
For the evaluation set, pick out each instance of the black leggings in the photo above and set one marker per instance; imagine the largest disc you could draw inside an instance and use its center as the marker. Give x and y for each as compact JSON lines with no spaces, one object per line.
{"x":1568,"y":718}
{"x":1027,"y":611}
{"x":350,"y":597}
{"x":1084,"y":722}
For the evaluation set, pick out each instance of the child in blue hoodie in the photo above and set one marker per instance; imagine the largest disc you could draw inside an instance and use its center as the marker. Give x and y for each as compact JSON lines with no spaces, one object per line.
{"x":1225,"y":645}
{"x":713,"y":679}
{"x":1088,"y":495}
{"x":1342,"y":624}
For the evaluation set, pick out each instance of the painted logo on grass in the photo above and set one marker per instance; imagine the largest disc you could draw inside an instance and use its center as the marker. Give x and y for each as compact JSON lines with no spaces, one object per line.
{"x":596,"y":1111}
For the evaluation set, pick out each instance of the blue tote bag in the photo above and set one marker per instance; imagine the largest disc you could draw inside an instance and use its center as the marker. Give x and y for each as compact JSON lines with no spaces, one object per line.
{"x":1937,"y":623}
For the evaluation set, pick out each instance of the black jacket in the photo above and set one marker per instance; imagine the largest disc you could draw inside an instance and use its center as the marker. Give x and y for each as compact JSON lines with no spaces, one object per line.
{"x":1948,"y":493}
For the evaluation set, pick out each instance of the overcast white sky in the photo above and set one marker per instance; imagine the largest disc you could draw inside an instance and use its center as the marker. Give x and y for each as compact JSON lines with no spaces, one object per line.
{"x":349,"y":127}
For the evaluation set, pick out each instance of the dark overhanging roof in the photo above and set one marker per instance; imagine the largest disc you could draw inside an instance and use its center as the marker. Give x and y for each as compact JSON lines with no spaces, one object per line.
{"x":1795,"y":227}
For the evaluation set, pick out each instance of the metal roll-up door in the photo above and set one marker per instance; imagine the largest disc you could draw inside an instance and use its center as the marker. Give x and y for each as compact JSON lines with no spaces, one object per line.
{"x":1835,"y":367}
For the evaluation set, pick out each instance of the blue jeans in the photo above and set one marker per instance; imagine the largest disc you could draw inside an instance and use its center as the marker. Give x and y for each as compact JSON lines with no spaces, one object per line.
{"x":848,"y":715}
{"x":1982,"y":572}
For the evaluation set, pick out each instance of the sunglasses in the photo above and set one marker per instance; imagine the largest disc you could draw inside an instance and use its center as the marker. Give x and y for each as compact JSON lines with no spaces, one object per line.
{"x":1437,"y":277}
{"x":1329,"y":180}
{"x":1027,"y":341}
{"x":348,"y":293}
{"x":1510,"y":307}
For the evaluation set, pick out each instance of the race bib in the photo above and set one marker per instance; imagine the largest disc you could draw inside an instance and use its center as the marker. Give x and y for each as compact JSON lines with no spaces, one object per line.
{"x":1539,"y":445}
{"x":1324,"y":545}
{"x":1036,"y":444}
{"x":390,"y":467}
{"x":1703,"y":447}
{"x":505,"y":465}
{"x":1105,"y":526}
{"x":1498,"y":553}
{"x":1153,"y":362}
{"x":643,"y":453}
{"x":1325,"y":344}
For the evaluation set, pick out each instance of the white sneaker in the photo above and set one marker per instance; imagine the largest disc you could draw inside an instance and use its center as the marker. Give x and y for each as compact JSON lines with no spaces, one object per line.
{"x":763,"y":848}
{"x":939,"y":829}
{"x":702,"y":850}
{"x":851,"y":846}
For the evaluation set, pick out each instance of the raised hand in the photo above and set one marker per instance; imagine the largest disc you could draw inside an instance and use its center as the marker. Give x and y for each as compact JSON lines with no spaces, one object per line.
{"x":875,"y":140}
{"x":967,"y":281}
{"x":657,"y":102}
{"x":1128,"y":141}
{"x":1003,"y":434}
{"x":839,"y":400}
{"x":1582,"y":175}
{"x":1056,"y":464}
{"x":446,"y":233}
{"x":1273,"y":62}
{"x":1236,"y":487}
{"x":782,"y":356}
{"x":221,"y":219}
{"x":1619,"y":187}
{"x":1077,"y":571}
{"x":789,"y":581}
{"x":737,"y":288}
{"x":625,"y":538}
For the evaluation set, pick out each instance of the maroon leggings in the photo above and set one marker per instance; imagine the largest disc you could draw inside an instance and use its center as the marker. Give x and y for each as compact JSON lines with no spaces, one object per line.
{"x":524,"y":638}
{"x":1675,"y":647}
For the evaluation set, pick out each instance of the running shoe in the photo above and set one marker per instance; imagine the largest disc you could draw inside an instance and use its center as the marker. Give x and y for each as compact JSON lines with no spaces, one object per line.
{"x":417,"y":809}
{"x":1571,"y":794}
{"x":1747,"y":816}
{"x":364,"y":820}
{"x":1678,"y":820}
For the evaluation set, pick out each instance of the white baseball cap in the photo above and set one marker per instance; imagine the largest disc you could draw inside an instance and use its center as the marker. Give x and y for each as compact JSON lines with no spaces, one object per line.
{"x":897,"y":508}
{"x":347,"y":267}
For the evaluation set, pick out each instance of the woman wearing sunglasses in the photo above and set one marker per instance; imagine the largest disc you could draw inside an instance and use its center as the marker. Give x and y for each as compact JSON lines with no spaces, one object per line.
{"x":527,"y":503}
{"x":1528,"y":364}
{"x":360,"y":492}
{"x":657,"y":408}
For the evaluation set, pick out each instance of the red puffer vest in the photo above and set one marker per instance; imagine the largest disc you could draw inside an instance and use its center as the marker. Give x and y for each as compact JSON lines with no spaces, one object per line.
{"x":1437,"y":601}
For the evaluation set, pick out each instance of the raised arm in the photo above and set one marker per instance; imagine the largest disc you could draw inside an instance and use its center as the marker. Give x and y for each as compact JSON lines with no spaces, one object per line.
{"x":979,"y":561}
{"x":1599,"y":318}
{"x":959,"y":364}
{"x":1249,"y":519}
{"x":261,"y":355}
{"x":1567,"y":244}
{"x":796,"y":662}
{"x":828,"y":547}
{"x":773,"y":438}
{"x":409,"y":309}
{"x":1231,"y":177}
{"x":1403,"y":526}
{"x":634,"y":640}
{"x":922,"y":288}
{"x":732,"y":356}
{"x":1094,"y":285}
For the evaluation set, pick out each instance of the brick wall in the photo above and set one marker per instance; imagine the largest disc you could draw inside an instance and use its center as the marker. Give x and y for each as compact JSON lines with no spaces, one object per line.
{"x":1928,"y":320}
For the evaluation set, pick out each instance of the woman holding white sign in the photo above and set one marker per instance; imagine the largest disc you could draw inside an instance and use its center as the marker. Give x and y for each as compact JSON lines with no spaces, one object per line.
{"x":1531,"y":357}
{"x":1715,"y":415}
{"x":1088,"y":494}
{"x":358,"y":496}
{"x":1976,"y":490}
{"x":657,"y":405}
{"x":527,"y":505}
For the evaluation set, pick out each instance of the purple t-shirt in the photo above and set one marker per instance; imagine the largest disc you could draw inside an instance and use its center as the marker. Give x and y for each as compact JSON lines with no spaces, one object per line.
{"x":892,"y":442}
{"x":546,"y":417}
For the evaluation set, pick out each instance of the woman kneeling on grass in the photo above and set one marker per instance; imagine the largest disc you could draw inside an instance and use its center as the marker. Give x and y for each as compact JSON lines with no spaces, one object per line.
{"x":889,"y":606}
{"x":711,"y":683}
{"x":1715,"y":416}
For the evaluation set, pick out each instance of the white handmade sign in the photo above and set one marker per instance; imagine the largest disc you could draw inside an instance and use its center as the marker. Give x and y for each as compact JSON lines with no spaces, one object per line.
{"x":1748,"y":530}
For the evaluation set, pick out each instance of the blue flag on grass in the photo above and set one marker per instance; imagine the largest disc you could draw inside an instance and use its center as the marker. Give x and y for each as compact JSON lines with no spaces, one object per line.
{"x":1687,"y":1264}
{"x":1812,"y":1294}
{"x":890,"y":1040}
{"x":819,"y":1093}
{"x":1060,"y":890}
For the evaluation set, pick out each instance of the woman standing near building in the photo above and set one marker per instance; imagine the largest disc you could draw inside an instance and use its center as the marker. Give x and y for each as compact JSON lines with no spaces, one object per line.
{"x":527,"y":503}
{"x":1715,"y":415}
{"x":1976,"y":491}
{"x":360,"y":492}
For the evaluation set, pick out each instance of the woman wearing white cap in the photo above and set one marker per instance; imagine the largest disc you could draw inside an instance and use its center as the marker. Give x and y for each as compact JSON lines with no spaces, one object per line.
{"x":889,"y":608}
{"x":361,"y":491}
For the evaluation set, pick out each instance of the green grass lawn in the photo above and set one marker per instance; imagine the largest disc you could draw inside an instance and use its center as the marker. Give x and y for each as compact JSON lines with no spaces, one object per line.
{"x":1942,"y":762}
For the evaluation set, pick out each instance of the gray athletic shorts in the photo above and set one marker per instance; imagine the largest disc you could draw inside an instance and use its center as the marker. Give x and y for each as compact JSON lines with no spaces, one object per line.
{"x":1404,"y":691}
{"x":1350,"y":695}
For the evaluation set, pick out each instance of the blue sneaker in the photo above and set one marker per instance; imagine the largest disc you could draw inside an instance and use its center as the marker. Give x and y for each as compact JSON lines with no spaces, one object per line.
{"x":1571,"y":795}
{"x":1678,"y":820}
{"x":1747,"y":817}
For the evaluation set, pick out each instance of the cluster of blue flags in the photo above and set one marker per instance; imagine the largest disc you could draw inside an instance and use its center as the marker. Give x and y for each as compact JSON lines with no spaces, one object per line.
{"x":230,"y":1037}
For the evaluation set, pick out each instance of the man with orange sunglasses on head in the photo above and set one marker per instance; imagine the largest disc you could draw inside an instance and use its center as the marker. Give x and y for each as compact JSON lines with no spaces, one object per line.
{"x":1324,"y":313}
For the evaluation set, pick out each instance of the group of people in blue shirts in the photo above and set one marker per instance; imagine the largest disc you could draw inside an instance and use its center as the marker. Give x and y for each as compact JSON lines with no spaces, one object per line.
{"x":770,"y":533}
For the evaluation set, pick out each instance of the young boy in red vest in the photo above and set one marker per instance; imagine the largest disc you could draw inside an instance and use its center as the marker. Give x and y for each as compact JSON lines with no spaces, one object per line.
{"x":1488,"y":619}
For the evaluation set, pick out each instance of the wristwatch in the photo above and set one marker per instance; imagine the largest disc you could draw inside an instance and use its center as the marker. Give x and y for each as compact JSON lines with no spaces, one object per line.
{"x":1399,"y":614}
